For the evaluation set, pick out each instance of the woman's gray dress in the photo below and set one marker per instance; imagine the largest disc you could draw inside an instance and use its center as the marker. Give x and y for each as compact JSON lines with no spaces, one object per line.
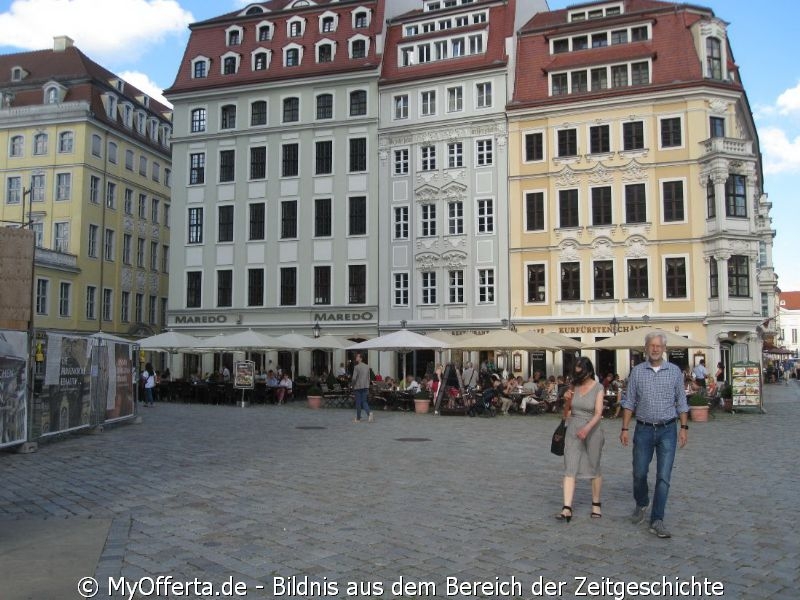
{"x":582,"y":457}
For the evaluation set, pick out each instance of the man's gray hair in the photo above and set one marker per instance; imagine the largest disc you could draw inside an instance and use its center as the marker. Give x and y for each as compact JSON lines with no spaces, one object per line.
{"x":655,"y":334}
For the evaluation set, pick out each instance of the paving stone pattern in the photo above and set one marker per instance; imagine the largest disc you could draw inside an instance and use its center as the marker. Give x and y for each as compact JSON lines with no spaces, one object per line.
{"x":219,"y":492}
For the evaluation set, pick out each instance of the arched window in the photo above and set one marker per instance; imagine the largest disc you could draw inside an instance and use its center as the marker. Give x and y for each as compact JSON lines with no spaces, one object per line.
{"x":358,"y":103}
{"x":17,"y":146}
{"x":228,"y":117}
{"x":198,"y":122}
{"x":258,"y":113}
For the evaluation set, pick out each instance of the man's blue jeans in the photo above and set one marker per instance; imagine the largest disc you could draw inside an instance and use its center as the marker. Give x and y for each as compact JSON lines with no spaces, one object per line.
{"x":361,"y":401}
{"x":646,"y":440}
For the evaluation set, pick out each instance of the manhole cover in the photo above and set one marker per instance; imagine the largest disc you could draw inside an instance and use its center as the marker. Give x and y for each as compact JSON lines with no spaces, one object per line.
{"x":412,"y":439}
{"x":310,"y":427}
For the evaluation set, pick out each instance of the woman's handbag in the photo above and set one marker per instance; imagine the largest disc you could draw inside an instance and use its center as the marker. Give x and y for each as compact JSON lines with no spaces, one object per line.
{"x":557,"y":444}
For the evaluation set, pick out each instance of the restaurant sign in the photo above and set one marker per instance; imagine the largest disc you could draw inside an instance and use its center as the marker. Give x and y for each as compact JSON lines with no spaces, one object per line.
{"x":201,"y":319}
{"x":363,"y":316}
{"x":596,"y":329}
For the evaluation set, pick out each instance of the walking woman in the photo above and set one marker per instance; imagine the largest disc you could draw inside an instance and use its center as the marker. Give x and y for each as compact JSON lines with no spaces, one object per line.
{"x":583,"y":445}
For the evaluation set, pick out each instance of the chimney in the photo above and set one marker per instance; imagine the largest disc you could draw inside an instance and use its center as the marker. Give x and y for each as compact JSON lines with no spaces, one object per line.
{"x":62,"y":42}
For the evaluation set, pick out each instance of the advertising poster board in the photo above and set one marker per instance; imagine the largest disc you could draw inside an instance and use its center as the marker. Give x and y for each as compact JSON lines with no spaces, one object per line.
{"x":68,"y":401}
{"x":13,"y":387}
{"x":119,"y":402}
{"x":244,"y":375}
{"x":746,"y":383}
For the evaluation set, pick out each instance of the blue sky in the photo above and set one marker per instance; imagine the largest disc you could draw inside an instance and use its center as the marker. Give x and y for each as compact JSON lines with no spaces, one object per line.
{"x":143,"y":40}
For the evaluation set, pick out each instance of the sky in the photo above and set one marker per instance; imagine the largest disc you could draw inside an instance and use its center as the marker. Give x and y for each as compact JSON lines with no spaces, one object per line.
{"x":143,"y":41}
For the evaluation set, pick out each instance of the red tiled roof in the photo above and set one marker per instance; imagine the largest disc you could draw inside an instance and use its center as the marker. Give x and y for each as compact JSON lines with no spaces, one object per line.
{"x":500,"y":24}
{"x":675,"y":62}
{"x":208,"y":39}
{"x":790,"y":300}
{"x":84,"y":79}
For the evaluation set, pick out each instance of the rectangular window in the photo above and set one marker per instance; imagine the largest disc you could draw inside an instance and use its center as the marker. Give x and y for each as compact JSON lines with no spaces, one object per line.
{"x":126,"y":248}
{"x":42,"y":288}
{"x":601,"y":206}
{"x":633,"y":135}
{"x":138,"y":307}
{"x":619,"y":76}
{"x":579,"y":82}
{"x":142,"y":206}
{"x":484,"y":99}
{"x":401,"y":106}
{"x":738,"y":277}
{"x":165,"y":258}
{"x":224,"y":288}
{"x":560,"y":84}
{"x":401,"y":294}
{"x":736,"y":196}
{"x":257,"y":227}
{"x":108,"y":245}
{"x":428,"y":287}
{"x":61,"y":235}
{"x":358,"y":155}
{"x":534,"y":147}
{"x":108,"y":296}
{"x":91,"y":303}
{"x":711,"y":198}
{"x":428,"y":103}
{"x":571,"y":281}
{"x":401,"y":223}
{"x":713,"y":278}
{"x":534,"y":211}
{"x":673,"y":201}
{"x":455,"y":155}
{"x":485,"y":286}
{"x":111,"y":195}
{"x":599,"y":139}
{"x":65,"y":299}
{"x":94,"y":189}
{"x":638,"y":281}
{"x":288,"y":219}
{"x":154,"y":256}
{"x":357,"y":284}
{"x":427,"y":158}
{"x":671,"y":132}
{"x":485,"y":216}
{"x":91,"y":249}
{"x":455,"y":99}
{"x":537,"y":290}
{"x":197,"y":168}
{"x":143,"y":166}
{"x":640,"y":73}
{"x":323,"y":217}
{"x":568,"y":208}
{"x":568,"y":142}
{"x":765,"y":305}
{"x":603,"y":279}
{"x":258,"y":110}
{"x":357,"y":209}
{"x":227,"y":162}
{"x":599,"y":79}
{"x":125,"y":307}
{"x":428,"y":220}
{"x":154,"y":205}
{"x":225,"y":223}
{"x":717,"y":127}
{"x":151,"y":309}
{"x":258,"y":162}
{"x":63,"y":186}
{"x":288,"y":286}
{"x":322,"y":285}
{"x":128,"y":201}
{"x":484,"y":153}
{"x":140,"y":252}
{"x":675,"y":276}
{"x":255,"y":287}
{"x":455,"y":217}
{"x":290,"y":166}
{"x":195,"y":226}
{"x":323,"y":157}
{"x":635,"y":203}
{"x":401,"y":161}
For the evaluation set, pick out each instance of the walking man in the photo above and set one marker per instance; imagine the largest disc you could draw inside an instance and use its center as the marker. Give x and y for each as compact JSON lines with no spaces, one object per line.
{"x":360,"y":383}
{"x":656,"y":395}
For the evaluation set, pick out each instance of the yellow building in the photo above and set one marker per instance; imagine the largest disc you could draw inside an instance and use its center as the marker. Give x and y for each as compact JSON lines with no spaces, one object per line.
{"x":85,"y":162}
{"x":635,"y":183}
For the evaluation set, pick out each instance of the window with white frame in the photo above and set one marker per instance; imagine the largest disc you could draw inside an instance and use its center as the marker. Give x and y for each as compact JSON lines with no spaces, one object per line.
{"x":258,"y":113}
{"x":714,"y":58}
{"x":40,"y":144}
{"x":672,"y":199}
{"x":42,"y":289}
{"x":359,"y":46}
{"x":455,"y":99}
{"x":358,"y":103}
{"x":485,"y":215}
{"x":599,"y":139}
{"x":428,"y":103}
{"x":13,"y":190}
{"x":91,"y":302}
{"x":97,"y":145}
{"x":401,"y":106}
{"x":292,"y":56}
{"x":570,"y":281}
{"x":485,"y":286}
{"x":109,"y":246}
{"x":675,"y":277}
{"x":361,"y":18}
{"x":228,"y":117}
{"x":325,"y":51}
{"x":534,"y":146}
{"x":63,"y":186}
{"x":264,"y":31}
{"x":484,"y":152}
{"x":140,"y":252}
{"x":200,"y":67}
{"x":108,"y":297}
{"x":64,"y":299}
{"x":401,"y":165}
{"x":671,"y":132}
{"x":328,"y":22}
{"x":534,"y":211}
{"x":261,"y":59}
{"x":126,"y":248}
{"x":37,"y":187}
{"x":233,"y":36}
{"x":484,"y":95}
{"x":536,"y":285}
{"x":427,"y":155}
{"x":401,"y":223}
{"x":91,"y":247}
{"x":198,"y":120}
{"x":455,"y":155}
{"x":455,"y":286}
{"x":401,"y":292}
{"x":66,"y":141}
{"x":427,"y":220}
{"x":455,"y":217}
{"x":142,"y":206}
{"x":567,"y":142}
{"x":603,"y":271}
{"x":428,"y":287}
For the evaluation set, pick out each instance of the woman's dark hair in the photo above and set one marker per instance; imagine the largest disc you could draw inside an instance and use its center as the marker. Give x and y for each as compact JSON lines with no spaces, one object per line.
{"x":586,"y":366}
{"x":149,"y":368}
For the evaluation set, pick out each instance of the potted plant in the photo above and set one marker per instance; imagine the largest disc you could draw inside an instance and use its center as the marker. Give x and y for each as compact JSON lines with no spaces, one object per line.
{"x":698,"y":407}
{"x":422,"y":402}
{"x":314,"y":397}
{"x":726,"y":393}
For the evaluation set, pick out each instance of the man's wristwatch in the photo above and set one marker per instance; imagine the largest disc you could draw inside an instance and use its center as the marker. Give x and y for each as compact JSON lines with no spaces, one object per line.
{"x":624,"y":429}
{"x":684,"y":427}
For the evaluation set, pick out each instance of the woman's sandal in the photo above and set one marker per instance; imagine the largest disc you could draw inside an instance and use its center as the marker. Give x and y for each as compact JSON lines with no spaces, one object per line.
{"x":562,"y":517}
{"x":596,"y":515}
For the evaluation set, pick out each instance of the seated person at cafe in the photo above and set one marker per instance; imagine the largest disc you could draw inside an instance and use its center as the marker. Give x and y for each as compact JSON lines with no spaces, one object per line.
{"x":506,"y":401}
{"x":284,"y":389}
{"x":272,"y":381}
{"x":491,"y":391}
{"x":409,"y":385}
{"x":469,"y":376}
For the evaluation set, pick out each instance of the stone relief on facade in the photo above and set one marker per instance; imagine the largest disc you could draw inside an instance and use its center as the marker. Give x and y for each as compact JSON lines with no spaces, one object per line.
{"x":567,"y":177}
{"x":155,"y":230}
{"x":153,"y":284}
{"x":718,"y":106}
{"x":634,"y":171}
{"x":636,"y":247}
{"x":427,"y":243}
{"x":127,"y":224}
{"x":426,"y":193}
{"x":126,"y":278}
{"x":427,"y":261}
{"x":140,"y":280}
{"x":455,"y":258}
{"x":600,"y":174}
{"x":569,"y":252}
{"x":456,"y":241}
{"x":497,"y":128}
{"x":601,"y":249}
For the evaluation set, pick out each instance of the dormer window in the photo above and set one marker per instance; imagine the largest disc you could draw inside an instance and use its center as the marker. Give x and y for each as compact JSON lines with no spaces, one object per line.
{"x":714,"y":58}
{"x":326,"y":51}
{"x":254,"y":10}
{"x":140,"y":121}
{"x":361,"y":18}
{"x":327,"y":23}
{"x":127,"y":114}
{"x":153,"y":128}
{"x":264,"y":31}
{"x":234,"y":37}
{"x":359,"y":46}
{"x":292,"y":55}
{"x":597,"y":12}
{"x":230,"y":63}
{"x":261,"y":59}
{"x":200,"y":66}
{"x":18,"y":74}
{"x":51,"y":95}
{"x":296,"y":26}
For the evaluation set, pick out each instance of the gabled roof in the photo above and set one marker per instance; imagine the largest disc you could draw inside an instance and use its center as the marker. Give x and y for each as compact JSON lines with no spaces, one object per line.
{"x":208,"y":39}
{"x":790,"y":300}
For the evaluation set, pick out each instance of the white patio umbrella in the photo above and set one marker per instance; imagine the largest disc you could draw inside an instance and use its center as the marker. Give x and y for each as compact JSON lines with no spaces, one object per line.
{"x":169,"y":341}
{"x":333,"y":342}
{"x":505,"y":339}
{"x":635,"y":339}
{"x":564,"y":342}
{"x":295,"y":341}
{"x":401,"y":341}
{"x":242,"y":341}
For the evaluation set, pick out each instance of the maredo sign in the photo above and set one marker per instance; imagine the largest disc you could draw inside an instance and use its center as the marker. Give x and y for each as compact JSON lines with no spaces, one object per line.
{"x":364,"y":316}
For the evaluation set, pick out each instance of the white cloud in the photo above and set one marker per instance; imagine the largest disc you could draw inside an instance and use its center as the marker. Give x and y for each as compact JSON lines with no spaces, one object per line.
{"x":99,"y":27}
{"x":789,"y":101}
{"x":781,"y":154}
{"x":147,"y":85}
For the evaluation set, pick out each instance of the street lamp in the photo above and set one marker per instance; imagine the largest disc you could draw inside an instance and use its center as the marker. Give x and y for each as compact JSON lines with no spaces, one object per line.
{"x":403,"y":324}
{"x":646,"y":320}
{"x":614,"y":324}
{"x":316,"y":329}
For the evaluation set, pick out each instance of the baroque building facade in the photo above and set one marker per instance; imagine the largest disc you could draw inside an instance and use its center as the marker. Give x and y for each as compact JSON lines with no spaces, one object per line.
{"x":86,"y":164}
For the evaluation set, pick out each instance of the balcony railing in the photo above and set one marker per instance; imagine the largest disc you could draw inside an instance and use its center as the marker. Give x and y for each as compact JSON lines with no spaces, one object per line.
{"x":732,"y":146}
{"x":56,"y":260}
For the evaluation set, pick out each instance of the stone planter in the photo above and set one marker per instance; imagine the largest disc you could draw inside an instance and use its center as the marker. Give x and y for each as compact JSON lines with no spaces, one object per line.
{"x":422,"y":405}
{"x":314,"y":402}
{"x":699,"y":414}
